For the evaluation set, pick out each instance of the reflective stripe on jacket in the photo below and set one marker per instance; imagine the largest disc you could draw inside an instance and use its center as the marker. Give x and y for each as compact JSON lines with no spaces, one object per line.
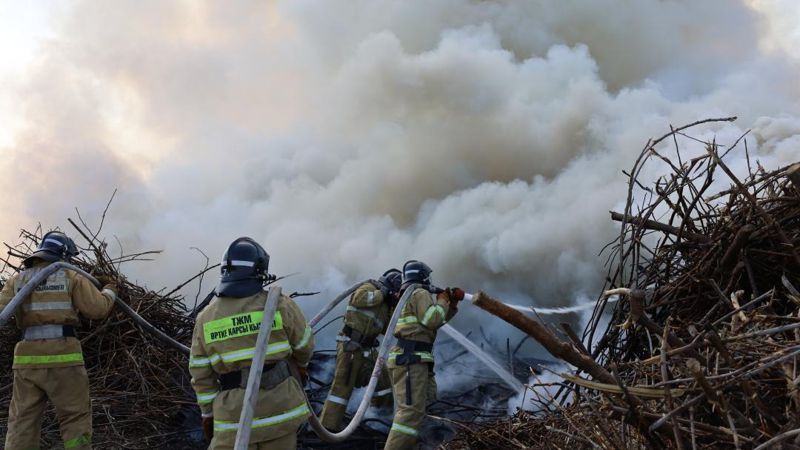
{"x":56,"y":301}
{"x":421,"y":317}
{"x":224,"y":341}
{"x":367,"y":311}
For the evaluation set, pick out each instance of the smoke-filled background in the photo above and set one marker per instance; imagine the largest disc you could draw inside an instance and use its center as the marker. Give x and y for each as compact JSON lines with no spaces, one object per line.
{"x":486,"y":138}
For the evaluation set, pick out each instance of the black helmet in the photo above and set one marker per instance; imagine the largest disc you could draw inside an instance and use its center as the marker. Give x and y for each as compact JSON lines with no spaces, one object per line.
{"x":55,"y":246}
{"x":392,"y":279}
{"x":243,"y":269}
{"x":416,"y":272}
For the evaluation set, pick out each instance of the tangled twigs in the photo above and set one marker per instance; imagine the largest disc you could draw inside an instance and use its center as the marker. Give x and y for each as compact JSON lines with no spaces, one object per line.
{"x":707,"y":276}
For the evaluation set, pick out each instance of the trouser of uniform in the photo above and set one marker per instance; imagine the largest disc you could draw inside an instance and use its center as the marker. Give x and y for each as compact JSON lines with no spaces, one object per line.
{"x":353,"y":369}
{"x":68,"y":390}
{"x":408,"y":417}
{"x":285,"y":442}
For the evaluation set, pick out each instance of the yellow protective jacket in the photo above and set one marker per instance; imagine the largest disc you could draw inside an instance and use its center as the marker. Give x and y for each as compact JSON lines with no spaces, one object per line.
{"x":368,"y":312}
{"x":57,"y":301}
{"x":224,"y":341}
{"x":423,"y":314}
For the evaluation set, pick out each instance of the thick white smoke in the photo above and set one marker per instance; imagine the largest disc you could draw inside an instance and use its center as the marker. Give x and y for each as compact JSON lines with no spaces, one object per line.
{"x":486,"y":138}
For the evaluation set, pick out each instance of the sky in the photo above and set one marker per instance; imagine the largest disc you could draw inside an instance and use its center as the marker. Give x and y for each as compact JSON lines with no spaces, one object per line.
{"x":486,"y":138}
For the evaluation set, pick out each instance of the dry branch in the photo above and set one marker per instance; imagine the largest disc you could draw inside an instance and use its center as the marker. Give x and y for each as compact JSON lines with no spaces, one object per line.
{"x":709,"y":308}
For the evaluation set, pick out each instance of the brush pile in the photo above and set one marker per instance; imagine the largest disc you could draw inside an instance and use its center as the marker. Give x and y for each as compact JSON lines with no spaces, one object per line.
{"x":703,"y":346}
{"x":141,"y":395}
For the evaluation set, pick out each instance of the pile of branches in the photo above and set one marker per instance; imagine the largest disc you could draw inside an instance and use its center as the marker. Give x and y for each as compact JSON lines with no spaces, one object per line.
{"x":140,"y":389}
{"x":702,"y":350}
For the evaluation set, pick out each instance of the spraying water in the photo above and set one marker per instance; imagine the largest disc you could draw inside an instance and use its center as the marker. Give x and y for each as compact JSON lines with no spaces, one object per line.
{"x":558,"y":310}
{"x":484,"y":357}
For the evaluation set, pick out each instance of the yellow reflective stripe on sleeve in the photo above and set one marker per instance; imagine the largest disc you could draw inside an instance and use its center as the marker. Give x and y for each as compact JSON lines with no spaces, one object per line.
{"x":404,"y":429}
{"x":199,"y":361}
{"x":407,"y":320}
{"x":304,"y":340}
{"x":205,"y":398}
{"x":430,"y":312}
{"x":259,"y":422}
{"x":238,"y":325}
{"x":49,"y":359}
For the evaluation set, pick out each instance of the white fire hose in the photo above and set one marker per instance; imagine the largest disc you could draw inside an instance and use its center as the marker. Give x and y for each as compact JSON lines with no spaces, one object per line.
{"x":254,"y":379}
{"x":314,"y":422}
{"x":388,"y":340}
{"x":256,"y":368}
{"x":324,"y":311}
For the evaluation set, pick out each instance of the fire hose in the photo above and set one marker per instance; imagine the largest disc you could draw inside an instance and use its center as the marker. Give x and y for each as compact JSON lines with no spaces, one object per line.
{"x":254,"y":378}
{"x":314,"y":422}
{"x":263,"y":337}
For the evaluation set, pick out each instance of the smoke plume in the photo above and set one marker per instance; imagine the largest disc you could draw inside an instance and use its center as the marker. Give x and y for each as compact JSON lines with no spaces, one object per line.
{"x":486,"y":138}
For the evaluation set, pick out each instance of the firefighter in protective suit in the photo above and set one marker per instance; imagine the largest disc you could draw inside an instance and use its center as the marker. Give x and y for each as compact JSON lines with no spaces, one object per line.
{"x":223,"y":345}
{"x":48,"y":362}
{"x":367,"y":316}
{"x":410,"y":361}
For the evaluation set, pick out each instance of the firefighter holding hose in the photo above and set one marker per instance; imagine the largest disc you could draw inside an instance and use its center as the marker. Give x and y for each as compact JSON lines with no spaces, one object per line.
{"x":223,"y":346}
{"x":410,"y":361}
{"x":367,"y":316}
{"x":48,"y":362}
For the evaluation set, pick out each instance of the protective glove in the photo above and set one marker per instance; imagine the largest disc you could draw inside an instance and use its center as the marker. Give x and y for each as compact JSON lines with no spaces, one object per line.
{"x":208,"y":428}
{"x":456,"y":294}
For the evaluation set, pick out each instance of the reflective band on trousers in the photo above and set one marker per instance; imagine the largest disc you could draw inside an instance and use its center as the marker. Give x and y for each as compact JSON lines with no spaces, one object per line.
{"x":339,"y":400}
{"x":48,"y":359}
{"x":84,"y":439}
{"x":237,"y":355}
{"x":47,"y":306}
{"x":404,"y":429}
{"x":259,"y":422}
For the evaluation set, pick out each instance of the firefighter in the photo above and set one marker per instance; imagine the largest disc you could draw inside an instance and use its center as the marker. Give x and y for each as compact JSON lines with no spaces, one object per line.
{"x":410,"y":361}
{"x":223,"y":344}
{"x":48,"y":362}
{"x":367,"y":316}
